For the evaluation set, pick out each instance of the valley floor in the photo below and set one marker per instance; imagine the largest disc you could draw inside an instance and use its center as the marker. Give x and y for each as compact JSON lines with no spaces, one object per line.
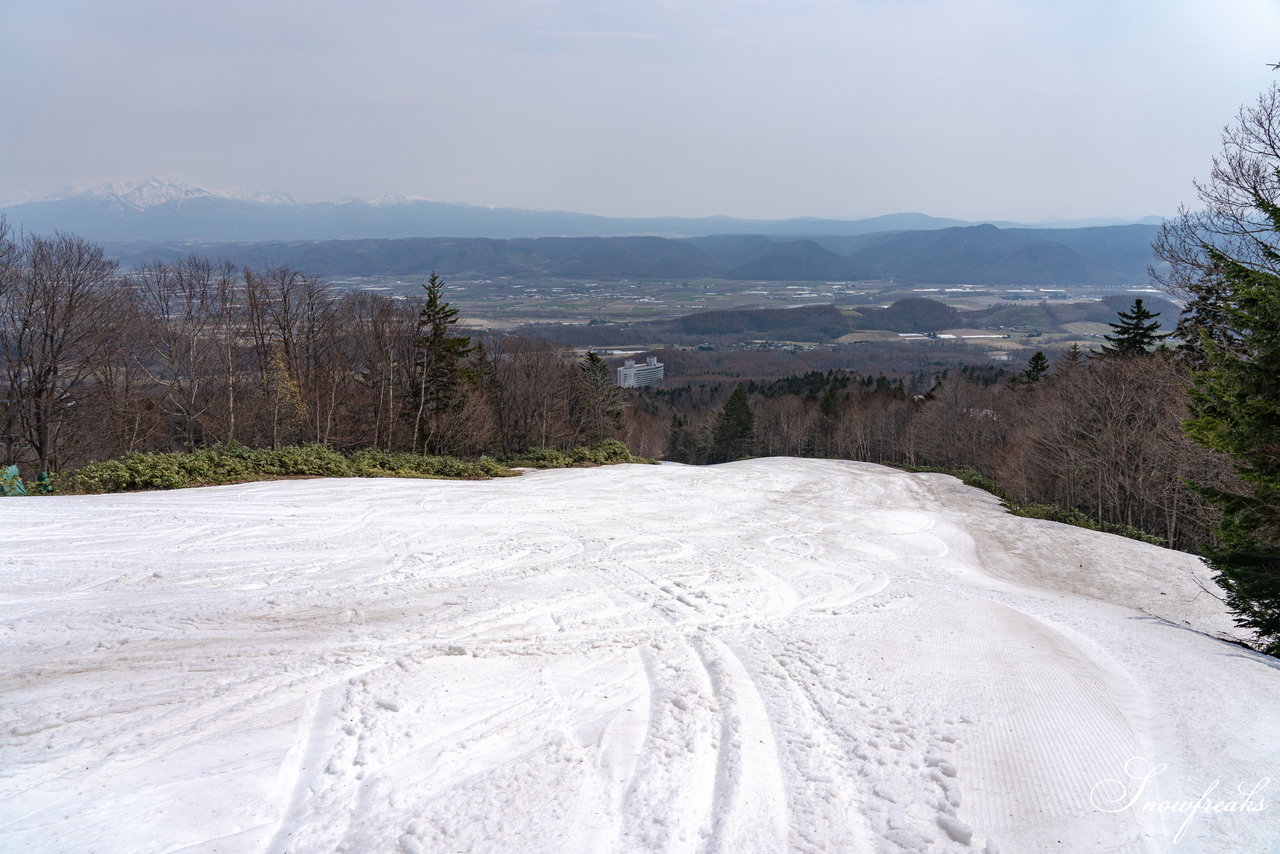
{"x":766,"y":656}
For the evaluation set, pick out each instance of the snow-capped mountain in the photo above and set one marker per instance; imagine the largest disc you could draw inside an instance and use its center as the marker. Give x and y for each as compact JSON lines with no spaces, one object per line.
{"x":396,"y":199}
{"x":157,"y":210}
{"x":154,"y":209}
{"x":148,"y":193}
{"x":266,"y":197}
{"x":122,"y":195}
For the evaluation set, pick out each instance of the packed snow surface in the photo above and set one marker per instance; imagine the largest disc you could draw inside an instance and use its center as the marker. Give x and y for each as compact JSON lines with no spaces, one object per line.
{"x":767,"y":656}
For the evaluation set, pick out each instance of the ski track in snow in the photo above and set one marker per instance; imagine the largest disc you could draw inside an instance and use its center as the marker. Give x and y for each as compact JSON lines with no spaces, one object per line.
{"x":774,"y":655}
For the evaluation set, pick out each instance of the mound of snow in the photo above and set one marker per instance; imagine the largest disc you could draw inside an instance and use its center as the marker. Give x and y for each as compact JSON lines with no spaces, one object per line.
{"x":774,"y":655}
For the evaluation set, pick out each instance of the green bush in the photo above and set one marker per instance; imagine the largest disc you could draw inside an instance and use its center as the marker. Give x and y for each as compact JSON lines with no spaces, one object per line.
{"x":608,"y":452}
{"x":230,"y":464}
{"x":975,"y":478}
{"x":1054,"y":513}
{"x":538,"y":458}
{"x":236,"y":463}
{"x":967,"y":475}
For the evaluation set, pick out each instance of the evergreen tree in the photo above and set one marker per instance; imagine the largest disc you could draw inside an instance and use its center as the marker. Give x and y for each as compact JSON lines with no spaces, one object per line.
{"x":682,"y":443}
{"x":1135,"y":333}
{"x":1235,"y":408}
{"x":820,"y":438}
{"x":438,"y":369}
{"x":598,"y":403}
{"x":1037,"y":367}
{"x":1071,"y":358}
{"x":829,"y":406}
{"x":1204,"y":319}
{"x":734,"y":435}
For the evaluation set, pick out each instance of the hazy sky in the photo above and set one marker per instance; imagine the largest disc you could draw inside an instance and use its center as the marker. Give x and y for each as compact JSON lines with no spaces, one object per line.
{"x":1018,"y":109}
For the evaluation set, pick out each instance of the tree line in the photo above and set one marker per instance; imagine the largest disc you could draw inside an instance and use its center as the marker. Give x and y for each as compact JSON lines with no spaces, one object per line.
{"x":185,"y":354}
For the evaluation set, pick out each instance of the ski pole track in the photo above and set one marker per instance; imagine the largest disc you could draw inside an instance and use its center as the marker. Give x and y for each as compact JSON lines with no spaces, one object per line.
{"x":824,"y":810}
{"x":669,"y":805}
{"x":384,"y":765}
{"x":741,"y":807}
{"x":162,"y":721}
{"x":893,"y":764}
{"x":1029,"y":764}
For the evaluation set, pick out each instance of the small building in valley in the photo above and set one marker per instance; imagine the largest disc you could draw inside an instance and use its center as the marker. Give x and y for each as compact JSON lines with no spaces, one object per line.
{"x":631,"y":375}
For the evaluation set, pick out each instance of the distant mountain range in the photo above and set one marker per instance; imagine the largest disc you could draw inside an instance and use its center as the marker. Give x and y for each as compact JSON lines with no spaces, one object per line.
{"x":983,"y":254}
{"x":157,"y":210}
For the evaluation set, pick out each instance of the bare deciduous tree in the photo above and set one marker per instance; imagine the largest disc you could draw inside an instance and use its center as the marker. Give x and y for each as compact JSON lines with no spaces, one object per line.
{"x":1230,"y":221}
{"x":59,"y":301}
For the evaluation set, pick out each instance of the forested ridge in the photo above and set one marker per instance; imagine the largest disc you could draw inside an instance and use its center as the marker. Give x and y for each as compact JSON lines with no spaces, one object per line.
{"x":1110,"y":255}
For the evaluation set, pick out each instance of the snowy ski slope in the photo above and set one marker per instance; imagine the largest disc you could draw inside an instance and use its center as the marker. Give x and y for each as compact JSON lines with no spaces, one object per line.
{"x":766,"y":656}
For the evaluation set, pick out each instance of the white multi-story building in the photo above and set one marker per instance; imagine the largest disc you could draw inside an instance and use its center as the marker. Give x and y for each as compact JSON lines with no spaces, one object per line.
{"x":631,"y":375}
